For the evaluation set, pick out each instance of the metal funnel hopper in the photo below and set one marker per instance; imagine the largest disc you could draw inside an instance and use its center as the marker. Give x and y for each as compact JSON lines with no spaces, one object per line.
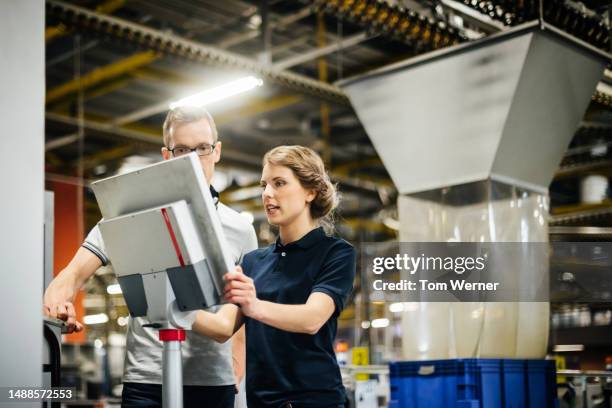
{"x":472,"y":136}
{"x":503,"y":108}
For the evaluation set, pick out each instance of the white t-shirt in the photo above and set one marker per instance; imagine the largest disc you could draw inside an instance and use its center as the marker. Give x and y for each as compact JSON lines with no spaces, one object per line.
{"x":205,"y":362}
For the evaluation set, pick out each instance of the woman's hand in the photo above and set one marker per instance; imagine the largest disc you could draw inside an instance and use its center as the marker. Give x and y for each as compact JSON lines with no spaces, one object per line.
{"x":240,"y":290}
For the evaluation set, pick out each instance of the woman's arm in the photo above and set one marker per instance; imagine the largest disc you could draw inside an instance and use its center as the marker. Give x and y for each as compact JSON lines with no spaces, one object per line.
{"x":305,"y":318}
{"x":219,"y":326}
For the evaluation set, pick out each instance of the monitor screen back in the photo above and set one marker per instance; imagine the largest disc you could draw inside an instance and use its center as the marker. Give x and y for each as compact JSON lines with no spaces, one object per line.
{"x":163,"y":183}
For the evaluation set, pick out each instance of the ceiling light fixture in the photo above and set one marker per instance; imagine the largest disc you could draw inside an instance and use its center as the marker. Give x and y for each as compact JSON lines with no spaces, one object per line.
{"x":219,"y":93}
{"x":559,"y":348}
{"x":114,"y":289}
{"x":95,"y":319}
{"x":378,"y":323}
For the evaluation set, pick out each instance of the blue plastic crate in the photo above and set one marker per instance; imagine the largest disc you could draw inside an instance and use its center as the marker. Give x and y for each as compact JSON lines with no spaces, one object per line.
{"x":542,"y":382}
{"x":473,"y":383}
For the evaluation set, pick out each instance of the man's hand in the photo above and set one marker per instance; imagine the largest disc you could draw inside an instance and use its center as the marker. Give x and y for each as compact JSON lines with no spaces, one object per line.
{"x":240,"y":290}
{"x":66,"y":313}
{"x":60,"y":294}
{"x":57,"y":302}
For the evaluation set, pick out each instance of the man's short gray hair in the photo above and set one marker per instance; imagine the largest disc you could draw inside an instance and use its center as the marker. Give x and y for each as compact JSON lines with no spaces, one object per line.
{"x":186,"y":114}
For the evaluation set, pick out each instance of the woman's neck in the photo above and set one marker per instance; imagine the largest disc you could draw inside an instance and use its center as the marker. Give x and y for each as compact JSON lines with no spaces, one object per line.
{"x":297,"y":229}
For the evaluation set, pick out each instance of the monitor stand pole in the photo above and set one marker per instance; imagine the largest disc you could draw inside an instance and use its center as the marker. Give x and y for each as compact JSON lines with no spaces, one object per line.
{"x":172,"y":381}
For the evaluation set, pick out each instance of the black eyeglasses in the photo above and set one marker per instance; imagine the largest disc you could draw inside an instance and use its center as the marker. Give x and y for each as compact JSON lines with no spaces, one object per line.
{"x":204,"y":149}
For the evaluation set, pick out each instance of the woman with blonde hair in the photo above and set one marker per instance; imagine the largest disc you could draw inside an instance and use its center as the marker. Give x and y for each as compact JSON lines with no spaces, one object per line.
{"x":291,"y":292}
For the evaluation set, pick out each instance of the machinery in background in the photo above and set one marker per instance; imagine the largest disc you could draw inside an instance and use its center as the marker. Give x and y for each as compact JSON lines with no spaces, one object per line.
{"x":471,"y":136}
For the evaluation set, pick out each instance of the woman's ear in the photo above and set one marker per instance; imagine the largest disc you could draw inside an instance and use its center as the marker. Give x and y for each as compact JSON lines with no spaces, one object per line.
{"x":310,"y":196}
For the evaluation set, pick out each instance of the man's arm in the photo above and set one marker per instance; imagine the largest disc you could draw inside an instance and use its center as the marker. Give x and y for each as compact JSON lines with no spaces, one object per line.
{"x":62,"y":289}
{"x":219,"y":326}
{"x":239,"y":355}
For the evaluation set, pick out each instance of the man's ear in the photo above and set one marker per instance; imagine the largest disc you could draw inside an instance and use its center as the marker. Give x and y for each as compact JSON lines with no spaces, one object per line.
{"x":166,"y":154}
{"x":217,"y":152}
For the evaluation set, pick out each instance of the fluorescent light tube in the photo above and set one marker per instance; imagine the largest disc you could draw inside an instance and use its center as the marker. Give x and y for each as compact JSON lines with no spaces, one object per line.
{"x":568,"y":347}
{"x":113,"y":289}
{"x":378,"y":323}
{"x":95,"y":318}
{"x":219,"y":93}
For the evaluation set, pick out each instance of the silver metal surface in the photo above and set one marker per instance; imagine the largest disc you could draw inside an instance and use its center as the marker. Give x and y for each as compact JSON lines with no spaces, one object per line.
{"x":587,"y":373}
{"x":365,"y":369}
{"x":577,"y":41}
{"x":22,"y":80}
{"x":49,"y":234}
{"x":502,"y":108}
{"x":591,"y":231}
{"x":172,"y":381}
{"x":139,"y":243}
{"x":78,"y":17}
{"x":580,"y":215}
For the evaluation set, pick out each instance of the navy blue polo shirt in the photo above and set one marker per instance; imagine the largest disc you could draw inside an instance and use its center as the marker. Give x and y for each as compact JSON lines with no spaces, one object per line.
{"x":295,"y":367}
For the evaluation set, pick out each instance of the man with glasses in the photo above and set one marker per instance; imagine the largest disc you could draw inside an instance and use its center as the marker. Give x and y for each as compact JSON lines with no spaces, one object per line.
{"x":210,"y":369}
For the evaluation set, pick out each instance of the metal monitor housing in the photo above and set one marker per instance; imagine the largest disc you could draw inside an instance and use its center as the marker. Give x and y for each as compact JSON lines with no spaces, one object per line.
{"x":165,"y":240}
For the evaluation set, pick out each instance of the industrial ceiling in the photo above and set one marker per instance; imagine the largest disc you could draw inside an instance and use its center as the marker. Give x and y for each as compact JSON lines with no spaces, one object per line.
{"x":112,"y":67}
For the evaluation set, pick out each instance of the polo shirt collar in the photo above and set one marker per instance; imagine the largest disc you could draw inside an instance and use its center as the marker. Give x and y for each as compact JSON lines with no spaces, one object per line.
{"x":305,"y":242}
{"x":215,"y":196}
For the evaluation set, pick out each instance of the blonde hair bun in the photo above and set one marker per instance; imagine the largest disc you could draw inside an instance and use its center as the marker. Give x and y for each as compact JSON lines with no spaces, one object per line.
{"x":309,"y":169}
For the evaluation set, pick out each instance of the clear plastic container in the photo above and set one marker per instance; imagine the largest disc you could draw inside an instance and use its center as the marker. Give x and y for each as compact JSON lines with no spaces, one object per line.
{"x":485,"y":211}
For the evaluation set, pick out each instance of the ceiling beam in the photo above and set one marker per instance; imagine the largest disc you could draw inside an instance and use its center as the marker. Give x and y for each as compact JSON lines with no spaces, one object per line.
{"x":101,"y":74}
{"x":251,"y":109}
{"x":281,"y":65}
{"x":154,"y":73}
{"x":323,"y":51}
{"x":172,"y":44}
{"x":139,"y":61}
{"x":59,"y":30}
{"x":94,"y":92}
{"x":474,"y":17}
{"x":106,"y":156}
{"x":281,"y":23}
{"x":151,"y":136}
{"x":258,"y":107}
{"x":347,"y":167}
{"x":602,"y":166}
{"x":61,"y":141}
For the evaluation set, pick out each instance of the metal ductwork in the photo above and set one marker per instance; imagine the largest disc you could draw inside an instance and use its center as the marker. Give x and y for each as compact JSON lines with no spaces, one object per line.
{"x":503,"y":108}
